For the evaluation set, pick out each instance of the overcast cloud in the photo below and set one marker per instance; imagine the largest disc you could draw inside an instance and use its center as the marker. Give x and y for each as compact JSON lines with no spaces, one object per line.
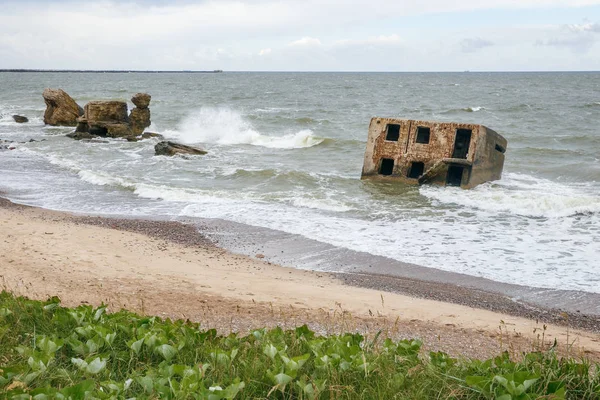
{"x":376,"y":35}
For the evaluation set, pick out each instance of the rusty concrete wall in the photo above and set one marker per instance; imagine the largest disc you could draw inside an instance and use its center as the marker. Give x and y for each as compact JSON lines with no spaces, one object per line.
{"x":406,"y":150}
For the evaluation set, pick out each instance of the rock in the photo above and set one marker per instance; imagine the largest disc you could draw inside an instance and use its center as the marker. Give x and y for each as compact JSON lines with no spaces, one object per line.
{"x":139,"y":119}
{"x":20,"y":119}
{"x":118,"y":130}
{"x":61,"y":109}
{"x":148,"y":135}
{"x":105,"y":118}
{"x":141,"y":100}
{"x":107,"y":111}
{"x":133,"y":139}
{"x":81,"y":135}
{"x":166,"y":148}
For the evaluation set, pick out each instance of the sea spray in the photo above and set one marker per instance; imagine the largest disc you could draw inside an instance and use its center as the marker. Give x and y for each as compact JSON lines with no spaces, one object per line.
{"x":225,"y":126}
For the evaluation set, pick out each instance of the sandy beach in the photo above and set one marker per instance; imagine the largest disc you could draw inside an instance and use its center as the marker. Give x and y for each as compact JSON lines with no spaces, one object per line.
{"x":170,"y":270}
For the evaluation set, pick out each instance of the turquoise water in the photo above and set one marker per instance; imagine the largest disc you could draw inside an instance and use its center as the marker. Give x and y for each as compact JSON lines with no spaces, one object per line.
{"x":286,"y":149}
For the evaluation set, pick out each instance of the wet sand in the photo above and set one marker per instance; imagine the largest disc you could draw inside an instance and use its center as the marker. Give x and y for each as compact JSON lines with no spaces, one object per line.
{"x":172,"y":270}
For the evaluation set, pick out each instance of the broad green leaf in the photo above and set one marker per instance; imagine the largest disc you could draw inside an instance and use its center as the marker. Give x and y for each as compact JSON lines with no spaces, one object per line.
{"x":270,"y":351}
{"x":145,"y":382}
{"x":137,"y":346}
{"x":282,"y":379}
{"x":166,"y":351}
{"x":97,"y":365}
{"x":79,"y":363}
{"x":98,"y":313}
{"x":47,"y":346}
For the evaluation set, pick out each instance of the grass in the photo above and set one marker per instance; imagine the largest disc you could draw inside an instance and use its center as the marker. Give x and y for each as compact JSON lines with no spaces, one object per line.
{"x":51,"y":352}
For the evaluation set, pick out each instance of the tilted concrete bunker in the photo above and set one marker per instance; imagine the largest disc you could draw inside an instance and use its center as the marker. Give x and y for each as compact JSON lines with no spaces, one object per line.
{"x":443,"y":153}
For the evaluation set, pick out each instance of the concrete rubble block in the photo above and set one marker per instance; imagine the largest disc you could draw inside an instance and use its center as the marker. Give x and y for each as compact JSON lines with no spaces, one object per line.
{"x":167,"y":148}
{"x":61,"y":109}
{"x":19,"y":119}
{"x":139,"y":119}
{"x":115,"y":111}
{"x":442,"y":153}
{"x":141,"y":100}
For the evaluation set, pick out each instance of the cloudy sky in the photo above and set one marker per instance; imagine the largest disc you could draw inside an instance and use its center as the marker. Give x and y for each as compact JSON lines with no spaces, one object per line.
{"x":304,"y":35}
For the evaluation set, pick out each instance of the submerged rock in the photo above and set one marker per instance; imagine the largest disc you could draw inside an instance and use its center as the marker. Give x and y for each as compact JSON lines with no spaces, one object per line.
{"x":81,"y":135}
{"x":61,"y":109}
{"x":20,"y":119}
{"x":167,"y":148}
{"x":148,"y":135}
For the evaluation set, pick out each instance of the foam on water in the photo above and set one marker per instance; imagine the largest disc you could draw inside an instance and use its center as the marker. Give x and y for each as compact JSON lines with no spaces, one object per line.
{"x":225,"y":126}
{"x":522,"y":195}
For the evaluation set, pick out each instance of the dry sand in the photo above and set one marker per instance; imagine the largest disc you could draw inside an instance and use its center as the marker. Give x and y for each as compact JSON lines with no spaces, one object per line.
{"x":167,"y":269}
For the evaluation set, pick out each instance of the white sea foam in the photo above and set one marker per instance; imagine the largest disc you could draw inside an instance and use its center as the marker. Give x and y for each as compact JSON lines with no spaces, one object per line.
{"x":225,"y":126}
{"x":522,"y":195}
{"x":326,"y":204}
{"x":474,"y":109}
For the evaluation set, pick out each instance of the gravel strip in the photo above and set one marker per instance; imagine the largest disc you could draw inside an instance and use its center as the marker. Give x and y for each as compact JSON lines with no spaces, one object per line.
{"x":470,"y":297}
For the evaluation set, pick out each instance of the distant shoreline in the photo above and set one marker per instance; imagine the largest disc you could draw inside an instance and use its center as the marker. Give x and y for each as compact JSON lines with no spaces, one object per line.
{"x":110,"y":71}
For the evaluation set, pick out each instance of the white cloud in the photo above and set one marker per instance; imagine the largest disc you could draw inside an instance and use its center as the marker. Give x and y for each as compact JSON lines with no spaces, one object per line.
{"x":306,"y":41}
{"x":282,"y":34}
{"x":373,"y":40}
{"x":472,"y":45}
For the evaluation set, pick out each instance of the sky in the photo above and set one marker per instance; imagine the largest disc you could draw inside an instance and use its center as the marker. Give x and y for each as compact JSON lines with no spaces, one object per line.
{"x":306,"y":35}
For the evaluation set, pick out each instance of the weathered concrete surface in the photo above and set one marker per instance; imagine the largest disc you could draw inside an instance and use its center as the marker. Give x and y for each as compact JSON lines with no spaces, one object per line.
{"x":441,"y":153}
{"x":20,"y":119}
{"x":110,"y":118}
{"x":139,"y":119}
{"x":141,"y":100}
{"x":61,"y":109}
{"x":171,"y":148}
{"x":108,"y":111}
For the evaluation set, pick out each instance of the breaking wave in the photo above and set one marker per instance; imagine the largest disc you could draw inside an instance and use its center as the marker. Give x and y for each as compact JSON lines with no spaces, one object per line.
{"x":521,"y":195}
{"x":225,"y":126}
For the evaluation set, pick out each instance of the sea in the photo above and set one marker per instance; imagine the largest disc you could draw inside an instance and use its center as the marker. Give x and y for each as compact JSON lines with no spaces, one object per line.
{"x":285,"y":152}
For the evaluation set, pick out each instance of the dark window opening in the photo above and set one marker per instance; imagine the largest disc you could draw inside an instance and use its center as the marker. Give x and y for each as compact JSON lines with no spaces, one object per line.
{"x":416,"y":170}
{"x":98,"y":130}
{"x":393,"y":132}
{"x":386,"y":167}
{"x":461,"y":143}
{"x":500,"y":148}
{"x":423,"y":134}
{"x":455,"y":174}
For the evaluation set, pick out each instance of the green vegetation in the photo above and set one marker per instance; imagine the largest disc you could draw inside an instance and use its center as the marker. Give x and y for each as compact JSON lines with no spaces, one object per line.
{"x":51,"y":352}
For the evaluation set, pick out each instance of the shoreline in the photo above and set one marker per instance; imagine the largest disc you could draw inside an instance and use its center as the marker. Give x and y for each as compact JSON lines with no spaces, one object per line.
{"x":240,"y":292}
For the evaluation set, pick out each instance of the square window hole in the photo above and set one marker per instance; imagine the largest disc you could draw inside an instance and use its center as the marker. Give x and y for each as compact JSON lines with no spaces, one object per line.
{"x":416,"y":170}
{"x":393,"y":132}
{"x":386,"y":167}
{"x":423,"y":134}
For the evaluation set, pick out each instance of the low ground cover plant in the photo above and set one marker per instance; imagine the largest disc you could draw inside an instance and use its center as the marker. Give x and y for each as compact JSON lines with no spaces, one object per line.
{"x":52,"y":352}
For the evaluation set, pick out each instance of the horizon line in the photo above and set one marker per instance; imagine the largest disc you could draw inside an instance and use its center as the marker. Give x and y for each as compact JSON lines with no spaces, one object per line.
{"x":273,"y":71}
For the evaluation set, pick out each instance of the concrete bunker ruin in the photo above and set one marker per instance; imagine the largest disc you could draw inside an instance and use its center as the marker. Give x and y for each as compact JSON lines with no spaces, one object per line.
{"x":442,"y":153}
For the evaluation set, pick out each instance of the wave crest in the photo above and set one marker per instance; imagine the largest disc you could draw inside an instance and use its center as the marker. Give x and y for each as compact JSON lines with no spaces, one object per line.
{"x":225,"y":126}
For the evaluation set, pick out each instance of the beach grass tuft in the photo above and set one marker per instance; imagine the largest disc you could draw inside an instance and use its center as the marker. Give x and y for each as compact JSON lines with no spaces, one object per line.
{"x":52,"y":352}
